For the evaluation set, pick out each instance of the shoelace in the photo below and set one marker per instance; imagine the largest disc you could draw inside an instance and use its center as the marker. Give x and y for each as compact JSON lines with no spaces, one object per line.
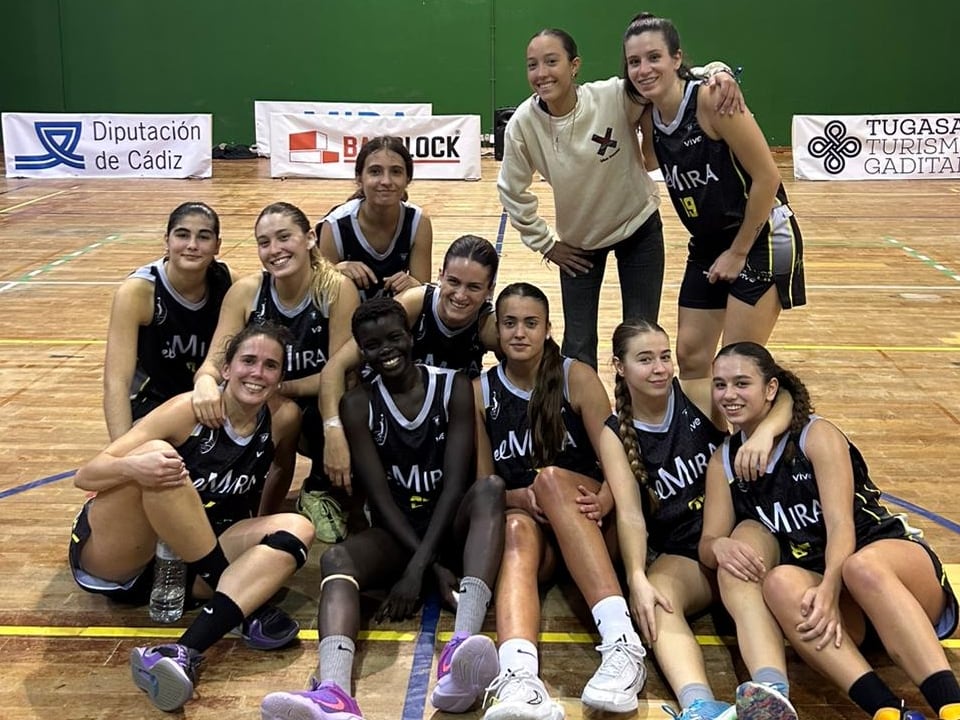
{"x":501,"y":683}
{"x":617,"y":655}
{"x":671,"y":712}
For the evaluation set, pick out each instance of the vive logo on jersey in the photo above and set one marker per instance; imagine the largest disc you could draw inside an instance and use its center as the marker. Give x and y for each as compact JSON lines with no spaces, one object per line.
{"x":834,"y":147}
{"x":59,"y":139}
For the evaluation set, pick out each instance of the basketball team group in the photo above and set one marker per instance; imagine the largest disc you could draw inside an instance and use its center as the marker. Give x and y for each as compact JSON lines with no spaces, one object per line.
{"x":712,"y":483}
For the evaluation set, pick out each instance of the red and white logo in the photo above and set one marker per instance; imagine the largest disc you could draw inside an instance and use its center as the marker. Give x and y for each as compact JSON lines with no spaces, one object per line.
{"x":311,"y":147}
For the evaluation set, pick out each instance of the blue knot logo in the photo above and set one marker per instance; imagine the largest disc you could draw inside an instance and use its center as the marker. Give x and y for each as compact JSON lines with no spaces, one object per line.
{"x":834,"y":146}
{"x":60,"y":140}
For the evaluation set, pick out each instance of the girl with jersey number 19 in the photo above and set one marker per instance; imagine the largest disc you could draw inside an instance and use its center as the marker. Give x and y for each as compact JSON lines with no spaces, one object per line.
{"x":745,"y":256}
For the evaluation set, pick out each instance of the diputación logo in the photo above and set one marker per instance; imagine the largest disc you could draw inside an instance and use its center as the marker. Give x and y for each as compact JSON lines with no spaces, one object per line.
{"x":60,"y":139}
{"x":834,"y":146}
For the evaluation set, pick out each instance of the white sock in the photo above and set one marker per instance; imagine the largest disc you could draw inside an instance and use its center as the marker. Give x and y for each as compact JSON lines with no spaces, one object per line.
{"x":519,"y":654}
{"x":612,"y":618}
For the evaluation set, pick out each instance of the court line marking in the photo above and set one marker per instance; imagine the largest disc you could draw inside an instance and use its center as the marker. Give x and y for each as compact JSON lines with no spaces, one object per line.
{"x":501,"y":231}
{"x":53,"y":264}
{"x":36,"y":483}
{"x":419,"y":679}
{"x":925,"y":259}
{"x":116,"y":632}
{"x":36,"y":200}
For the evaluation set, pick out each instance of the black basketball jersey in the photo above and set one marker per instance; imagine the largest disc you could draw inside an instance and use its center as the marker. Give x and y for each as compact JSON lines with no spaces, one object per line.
{"x":175,"y":343}
{"x":707,"y":184}
{"x":228,"y":470}
{"x":675,"y":454}
{"x":309,"y":325}
{"x":412,"y":450}
{"x":786,"y":500}
{"x":508,"y":427}
{"x":352,"y":245}
{"x":436,"y":344}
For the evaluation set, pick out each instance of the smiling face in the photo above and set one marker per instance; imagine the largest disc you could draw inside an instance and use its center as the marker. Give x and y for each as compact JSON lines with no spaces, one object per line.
{"x":283,"y":246}
{"x":254,"y":372}
{"x":740,"y":391}
{"x":551,"y":73}
{"x":650,"y":66}
{"x":192,"y":243}
{"x":384,"y":178}
{"x":386,"y":344}
{"x":646,"y":364}
{"x":464,"y":285}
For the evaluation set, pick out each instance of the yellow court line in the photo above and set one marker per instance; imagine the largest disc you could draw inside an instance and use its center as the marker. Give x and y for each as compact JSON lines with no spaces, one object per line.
{"x":127,"y":633}
{"x":36,"y":200}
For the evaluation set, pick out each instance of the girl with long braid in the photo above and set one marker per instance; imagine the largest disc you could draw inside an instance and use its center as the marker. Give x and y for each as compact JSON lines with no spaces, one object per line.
{"x":668,"y":442}
{"x":848,"y":568}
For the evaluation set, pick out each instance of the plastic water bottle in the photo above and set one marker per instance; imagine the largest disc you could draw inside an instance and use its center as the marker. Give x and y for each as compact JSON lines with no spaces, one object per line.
{"x":169,"y":586}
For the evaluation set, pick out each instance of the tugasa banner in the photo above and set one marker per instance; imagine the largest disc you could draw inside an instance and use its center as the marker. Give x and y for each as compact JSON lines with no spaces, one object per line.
{"x":876,"y":147}
{"x":263,"y":109}
{"x":60,"y":145}
{"x":444,"y":147}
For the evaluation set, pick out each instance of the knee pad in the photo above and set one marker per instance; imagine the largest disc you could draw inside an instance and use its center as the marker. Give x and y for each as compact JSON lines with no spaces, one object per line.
{"x":288,"y":543}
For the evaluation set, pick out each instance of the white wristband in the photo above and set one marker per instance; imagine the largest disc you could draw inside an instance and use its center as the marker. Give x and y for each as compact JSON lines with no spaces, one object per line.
{"x":333,"y":422}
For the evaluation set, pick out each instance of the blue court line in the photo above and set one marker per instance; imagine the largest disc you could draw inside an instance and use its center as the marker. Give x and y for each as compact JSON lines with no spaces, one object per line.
{"x":501,"y":231}
{"x":36,"y":483}
{"x":422,"y":661}
{"x":931,"y":516}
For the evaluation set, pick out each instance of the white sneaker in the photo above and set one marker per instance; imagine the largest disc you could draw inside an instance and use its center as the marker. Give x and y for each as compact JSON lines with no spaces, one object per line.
{"x":519,"y":695}
{"x":619,"y":679}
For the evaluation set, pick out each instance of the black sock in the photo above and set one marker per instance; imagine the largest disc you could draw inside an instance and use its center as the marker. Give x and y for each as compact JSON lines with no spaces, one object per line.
{"x":871,"y":693}
{"x":941,"y":689}
{"x":216,"y":619}
{"x":210,"y":567}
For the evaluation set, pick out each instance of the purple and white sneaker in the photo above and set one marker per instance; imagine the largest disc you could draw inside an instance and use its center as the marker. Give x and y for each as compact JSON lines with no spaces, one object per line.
{"x":268,"y":628}
{"x":468,"y":664}
{"x":166,"y":673}
{"x":323,"y":701}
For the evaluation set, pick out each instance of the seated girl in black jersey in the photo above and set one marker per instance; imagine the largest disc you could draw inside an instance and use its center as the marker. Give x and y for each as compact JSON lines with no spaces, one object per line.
{"x":412,"y":439}
{"x":668,"y":440}
{"x":540,"y":428}
{"x":848,"y":567}
{"x":745,"y":256}
{"x":199,"y":490}
{"x":378,"y":239}
{"x":452,"y":324}
{"x":162,"y":319}
{"x":300,"y":290}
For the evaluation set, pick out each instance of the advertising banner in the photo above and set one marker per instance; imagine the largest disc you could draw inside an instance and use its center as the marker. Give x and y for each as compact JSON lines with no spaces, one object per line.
{"x":262,"y":109}
{"x":60,"y":145}
{"x":876,"y":147}
{"x":444,"y":147}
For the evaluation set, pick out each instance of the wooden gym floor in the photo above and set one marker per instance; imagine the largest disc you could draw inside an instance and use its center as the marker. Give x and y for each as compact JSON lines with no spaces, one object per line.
{"x":877,"y":344}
